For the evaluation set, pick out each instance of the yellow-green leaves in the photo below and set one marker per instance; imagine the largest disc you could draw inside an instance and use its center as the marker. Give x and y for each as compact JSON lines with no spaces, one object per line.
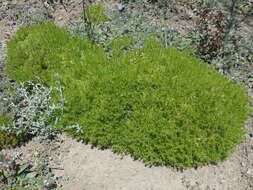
{"x":95,"y":14}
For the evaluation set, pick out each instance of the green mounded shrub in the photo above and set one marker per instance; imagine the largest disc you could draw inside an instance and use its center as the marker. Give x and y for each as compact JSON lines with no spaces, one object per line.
{"x":158,"y":104}
{"x":7,"y":139}
{"x":45,"y":51}
{"x":33,"y":48}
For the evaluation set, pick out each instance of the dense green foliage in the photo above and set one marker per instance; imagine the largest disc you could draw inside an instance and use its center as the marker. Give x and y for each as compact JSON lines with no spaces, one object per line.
{"x":31,"y":51}
{"x":157,"y":104}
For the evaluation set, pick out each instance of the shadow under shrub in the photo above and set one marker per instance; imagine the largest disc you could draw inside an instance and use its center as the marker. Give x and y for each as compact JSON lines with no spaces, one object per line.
{"x":157,"y":104}
{"x":7,"y":139}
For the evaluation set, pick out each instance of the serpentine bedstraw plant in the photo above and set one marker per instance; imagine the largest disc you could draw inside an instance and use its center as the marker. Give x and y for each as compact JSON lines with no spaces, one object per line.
{"x":158,"y":104}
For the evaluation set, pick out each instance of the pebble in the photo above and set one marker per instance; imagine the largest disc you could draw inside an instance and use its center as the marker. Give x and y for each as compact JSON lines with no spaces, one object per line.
{"x":120,"y":7}
{"x":36,"y":154}
{"x":187,"y":17}
{"x":9,"y":164}
{"x":49,"y":184}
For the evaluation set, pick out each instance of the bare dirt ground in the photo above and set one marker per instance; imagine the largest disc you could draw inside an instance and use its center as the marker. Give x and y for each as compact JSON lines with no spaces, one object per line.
{"x":88,"y":168}
{"x":93,"y":169}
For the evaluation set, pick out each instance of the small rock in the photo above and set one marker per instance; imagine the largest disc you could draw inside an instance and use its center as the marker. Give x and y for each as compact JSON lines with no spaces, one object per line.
{"x":120,"y":7}
{"x":46,"y":4}
{"x":36,"y":153}
{"x":187,"y":17}
{"x":50,"y":184}
{"x":9,"y":164}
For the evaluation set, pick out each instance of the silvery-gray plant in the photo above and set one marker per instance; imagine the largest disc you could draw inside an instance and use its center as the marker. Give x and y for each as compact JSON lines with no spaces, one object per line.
{"x":32,"y":109}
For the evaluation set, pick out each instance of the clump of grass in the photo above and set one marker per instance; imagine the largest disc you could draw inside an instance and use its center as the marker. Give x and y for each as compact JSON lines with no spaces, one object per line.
{"x":95,"y":14}
{"x":158,"y":104}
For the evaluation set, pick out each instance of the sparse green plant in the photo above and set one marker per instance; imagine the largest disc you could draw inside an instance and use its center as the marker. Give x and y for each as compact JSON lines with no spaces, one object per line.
{"x":157,"y":104}
{"x":93,"y":16}
{"x":15,"y":175}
